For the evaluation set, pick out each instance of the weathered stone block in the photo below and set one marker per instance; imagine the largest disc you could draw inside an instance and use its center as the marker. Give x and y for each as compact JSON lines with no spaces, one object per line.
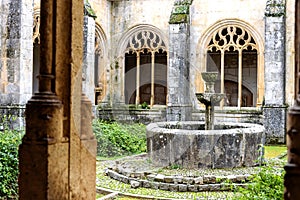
{"x":169,"y":179}
{"x":275,"y":123}
{"x":164,"y":186}
{"x":182,"y":188}
{"x":209,"y":179}
{"x":134,"y":184}
{"x":198,"y":180}
{"x":159,"y":178}
{"x":154,"y":185}
{"x":173,"y":187}
{"x":146,"y":184}
{"x":193,"y":188}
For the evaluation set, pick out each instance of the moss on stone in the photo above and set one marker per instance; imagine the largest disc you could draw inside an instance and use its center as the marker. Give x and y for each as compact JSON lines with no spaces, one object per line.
{"x":180,"y":12}
{"x":88,"y":10}
{"x":275,"y":9}
{"x":179,"y":18}
{"x":183,"y":2}
{"x":183,"y":9}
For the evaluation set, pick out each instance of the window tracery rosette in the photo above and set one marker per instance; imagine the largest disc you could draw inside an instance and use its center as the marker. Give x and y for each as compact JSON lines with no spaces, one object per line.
{"x":231,"y":38}
{"x":145,"y":40}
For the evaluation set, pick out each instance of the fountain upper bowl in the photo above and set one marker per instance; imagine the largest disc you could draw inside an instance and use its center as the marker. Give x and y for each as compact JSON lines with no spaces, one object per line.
{"x":209,"y":76}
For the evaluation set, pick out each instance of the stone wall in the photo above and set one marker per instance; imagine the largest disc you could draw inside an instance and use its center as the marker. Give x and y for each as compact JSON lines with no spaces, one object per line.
{"x":16,"y":51}
{"x":129,"y":115}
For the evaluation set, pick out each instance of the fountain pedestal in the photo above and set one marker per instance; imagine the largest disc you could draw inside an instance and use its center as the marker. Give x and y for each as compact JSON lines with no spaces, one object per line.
{"x":209,"y":98}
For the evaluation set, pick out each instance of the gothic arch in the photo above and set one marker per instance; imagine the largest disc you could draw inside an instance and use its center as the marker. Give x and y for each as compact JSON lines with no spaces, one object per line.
{"x":255,"y":42}
{"x":142,"y":40}
{"x":100,"y":40}
{"x":101,"y":70}
{"x":123,"y":42}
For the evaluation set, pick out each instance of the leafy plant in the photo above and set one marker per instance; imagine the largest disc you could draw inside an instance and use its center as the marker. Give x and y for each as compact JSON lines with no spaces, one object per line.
{"x":117,"y":139}
{"x":145,"y":105}
{"x":267,"y":184}
{"x":9,"y":144}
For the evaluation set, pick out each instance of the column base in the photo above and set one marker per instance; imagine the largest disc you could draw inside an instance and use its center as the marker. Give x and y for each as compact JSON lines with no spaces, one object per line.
{"x":275,"y":123}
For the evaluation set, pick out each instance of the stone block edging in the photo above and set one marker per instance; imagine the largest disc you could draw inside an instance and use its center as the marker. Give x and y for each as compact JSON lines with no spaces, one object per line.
{"x":182,"y":183}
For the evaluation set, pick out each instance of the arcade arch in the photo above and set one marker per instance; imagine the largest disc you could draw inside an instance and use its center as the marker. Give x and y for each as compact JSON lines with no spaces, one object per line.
{"x":144,"y":59}
{"x":235,"y":50}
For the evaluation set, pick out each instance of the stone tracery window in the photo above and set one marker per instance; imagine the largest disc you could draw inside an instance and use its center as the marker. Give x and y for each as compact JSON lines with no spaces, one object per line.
{"x":233,"y":52}
{"x":145,"y":69}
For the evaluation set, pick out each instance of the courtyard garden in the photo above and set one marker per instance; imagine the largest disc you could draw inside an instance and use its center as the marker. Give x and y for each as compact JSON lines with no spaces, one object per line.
{"x":125,"y":145}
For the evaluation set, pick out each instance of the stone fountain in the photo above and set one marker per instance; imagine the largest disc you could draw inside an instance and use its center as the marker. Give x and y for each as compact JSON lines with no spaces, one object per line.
{"x":209,"y":98}
{"x":198,"y":144}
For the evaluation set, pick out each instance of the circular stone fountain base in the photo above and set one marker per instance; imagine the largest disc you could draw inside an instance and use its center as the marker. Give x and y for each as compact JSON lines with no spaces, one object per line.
{"x":186,"y":144}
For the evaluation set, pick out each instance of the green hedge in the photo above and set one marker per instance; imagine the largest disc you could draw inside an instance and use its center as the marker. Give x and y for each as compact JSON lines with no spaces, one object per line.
{"x":118,"y":139}
{"x":9,"y":145}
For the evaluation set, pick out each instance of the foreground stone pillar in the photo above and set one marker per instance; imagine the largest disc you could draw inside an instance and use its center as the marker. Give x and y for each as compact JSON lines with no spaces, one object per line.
{"x":57,"y":154}
{"x":292,"y":168}
{"x":274,"y":110}
{"x":179,"y":102}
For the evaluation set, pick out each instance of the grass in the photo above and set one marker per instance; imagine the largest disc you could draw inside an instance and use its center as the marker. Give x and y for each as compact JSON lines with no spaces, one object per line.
{"x":274,"y":151}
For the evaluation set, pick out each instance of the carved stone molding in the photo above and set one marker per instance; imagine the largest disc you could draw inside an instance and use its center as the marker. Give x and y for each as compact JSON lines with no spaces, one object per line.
{"x":36,"y":26}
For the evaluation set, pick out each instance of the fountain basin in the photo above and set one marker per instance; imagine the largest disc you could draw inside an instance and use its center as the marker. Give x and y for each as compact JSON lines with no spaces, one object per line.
{"x":188,"y":145}
{"x":210,"y":98}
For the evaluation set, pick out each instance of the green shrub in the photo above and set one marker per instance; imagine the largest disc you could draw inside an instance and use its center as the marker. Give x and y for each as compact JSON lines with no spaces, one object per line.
{"x":267,"y":184}
{"x":9,"y":145}
{"x":117,"y":139}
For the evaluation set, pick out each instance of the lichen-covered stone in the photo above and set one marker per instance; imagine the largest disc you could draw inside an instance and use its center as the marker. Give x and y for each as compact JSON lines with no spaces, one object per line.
{"x":227,"y":148}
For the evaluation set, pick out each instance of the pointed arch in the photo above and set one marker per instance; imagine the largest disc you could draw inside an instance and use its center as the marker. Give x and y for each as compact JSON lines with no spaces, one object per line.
{"x":134,"y":31}
{"x":143,"y":58}
{"x":233,"y":35}
{"x":101,"y":75}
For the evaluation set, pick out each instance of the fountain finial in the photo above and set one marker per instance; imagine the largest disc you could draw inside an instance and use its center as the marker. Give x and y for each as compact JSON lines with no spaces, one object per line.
{"x":209,"y":79}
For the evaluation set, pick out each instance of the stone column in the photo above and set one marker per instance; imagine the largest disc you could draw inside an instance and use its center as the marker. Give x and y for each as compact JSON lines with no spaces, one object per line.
{"x":274,"y":109}
{"x":88,"y":69}
{"x":179,"y":102}
{"x":292,"y":168}
{"x":57,"y":154}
